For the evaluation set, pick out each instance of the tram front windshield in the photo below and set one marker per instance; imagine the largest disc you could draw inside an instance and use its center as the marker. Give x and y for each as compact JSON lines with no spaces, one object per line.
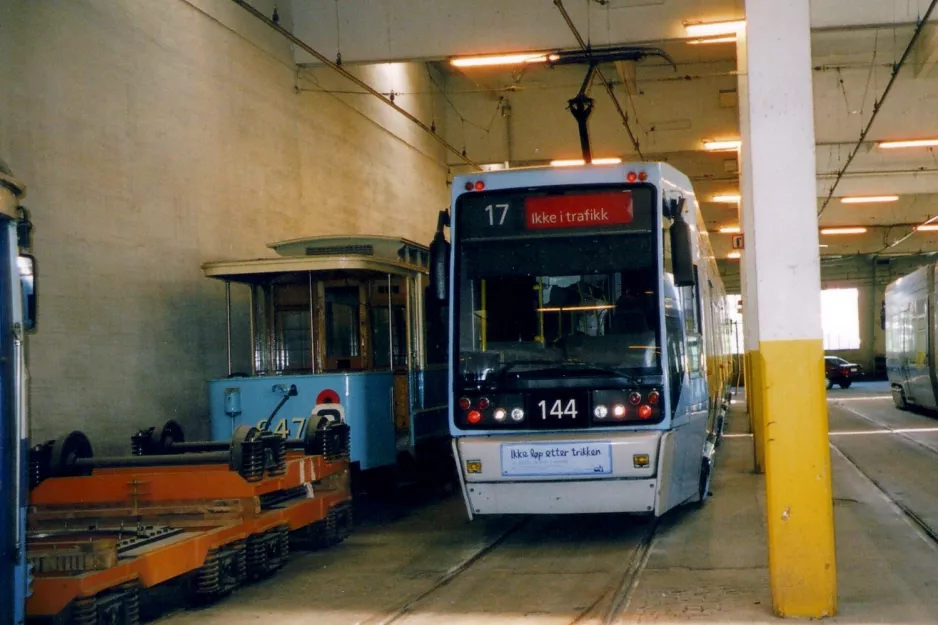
{"x":558,"y":305}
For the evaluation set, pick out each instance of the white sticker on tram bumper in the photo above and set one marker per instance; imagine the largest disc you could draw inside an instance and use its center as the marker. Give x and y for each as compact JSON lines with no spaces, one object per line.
{"x":556,"y":459}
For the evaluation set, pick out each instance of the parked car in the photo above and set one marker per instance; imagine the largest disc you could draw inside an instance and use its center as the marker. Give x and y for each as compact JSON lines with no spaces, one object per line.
{"x":839,"y":371}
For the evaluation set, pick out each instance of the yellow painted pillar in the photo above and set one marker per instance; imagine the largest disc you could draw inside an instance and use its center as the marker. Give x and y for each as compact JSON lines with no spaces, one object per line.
{"x":781,"y":249}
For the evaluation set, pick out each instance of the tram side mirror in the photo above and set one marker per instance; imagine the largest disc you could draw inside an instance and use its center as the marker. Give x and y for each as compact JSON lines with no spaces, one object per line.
{"x":439,"y":260}
{"x":27,"y":268}
{"x":682,"y":261}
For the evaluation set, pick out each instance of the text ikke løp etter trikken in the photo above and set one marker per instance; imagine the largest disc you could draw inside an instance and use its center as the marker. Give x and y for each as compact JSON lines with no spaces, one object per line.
{"x":556,"y":452}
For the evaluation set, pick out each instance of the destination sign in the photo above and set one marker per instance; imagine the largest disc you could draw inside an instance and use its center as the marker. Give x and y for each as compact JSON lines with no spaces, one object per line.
{"x":578,"y":211}
{"x":520,"y":212}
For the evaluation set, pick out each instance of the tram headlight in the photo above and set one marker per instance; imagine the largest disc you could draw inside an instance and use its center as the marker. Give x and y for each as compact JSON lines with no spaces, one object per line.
{"x":600,"y":411}
{"x":618,"y":411}
{"x":517,"y":414}
{"x":500,"y":414}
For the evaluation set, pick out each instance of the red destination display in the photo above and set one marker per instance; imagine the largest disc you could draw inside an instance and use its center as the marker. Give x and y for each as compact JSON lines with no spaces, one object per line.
{"x":578,"y":211}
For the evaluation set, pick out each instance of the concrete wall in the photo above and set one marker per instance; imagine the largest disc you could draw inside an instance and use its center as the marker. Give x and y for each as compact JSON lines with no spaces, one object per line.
{"x":155,"y":136}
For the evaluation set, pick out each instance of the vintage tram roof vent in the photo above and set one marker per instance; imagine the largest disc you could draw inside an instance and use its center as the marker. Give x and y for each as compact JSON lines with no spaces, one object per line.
{"x":342,"y":250}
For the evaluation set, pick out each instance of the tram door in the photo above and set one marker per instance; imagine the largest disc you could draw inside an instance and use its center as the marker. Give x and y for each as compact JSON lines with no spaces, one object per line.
{"x":389,"y":317}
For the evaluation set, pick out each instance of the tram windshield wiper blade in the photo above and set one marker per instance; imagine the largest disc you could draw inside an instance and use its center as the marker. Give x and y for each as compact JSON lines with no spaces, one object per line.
{"x":589,"y":367}
{"x":508,"y":366}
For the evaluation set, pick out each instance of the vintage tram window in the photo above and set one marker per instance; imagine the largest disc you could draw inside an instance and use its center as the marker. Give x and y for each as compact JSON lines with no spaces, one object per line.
{"x":261,"y":303}
{"x":380,"y":325}
{"x":292,"y":336}
{"x":343,"y":326}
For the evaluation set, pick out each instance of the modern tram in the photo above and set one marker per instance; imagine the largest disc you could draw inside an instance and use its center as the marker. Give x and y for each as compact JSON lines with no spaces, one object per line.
{"x":911,"y":339}
{"x":589,"y":341}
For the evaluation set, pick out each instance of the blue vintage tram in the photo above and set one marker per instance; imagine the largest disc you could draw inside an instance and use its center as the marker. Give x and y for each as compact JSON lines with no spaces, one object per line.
{"x":339,"y":326}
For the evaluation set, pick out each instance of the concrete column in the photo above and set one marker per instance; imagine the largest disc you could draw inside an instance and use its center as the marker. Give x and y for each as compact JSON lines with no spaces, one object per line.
{"x":783,"y":292}
{"x":747,"y":269}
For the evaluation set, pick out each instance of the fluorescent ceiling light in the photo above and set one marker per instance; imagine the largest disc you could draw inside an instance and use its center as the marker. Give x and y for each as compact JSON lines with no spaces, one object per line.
{"x":721,"y":144}
{"x":910,"y":143}
{"x":712,"y":29}
{"x":733,"y":255}
{"x":730,"y":230}
{"x":730,"y":198}
{"x":579,"y":161}
{"x":695,"y":42}
{"x":843,"y":230}
{"x":504,"y":59}
{"x":869,"y":199}
{"x":927,"y":228}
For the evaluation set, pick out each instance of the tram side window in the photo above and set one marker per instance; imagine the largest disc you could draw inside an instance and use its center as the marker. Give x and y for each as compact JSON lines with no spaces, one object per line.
{"x":343,"y":328}
{"x":292,"y":337}
{"x":380,"y":327}
{"x":260,"y":299}
{"x":676,"y":354}
{"x":688,"y":298}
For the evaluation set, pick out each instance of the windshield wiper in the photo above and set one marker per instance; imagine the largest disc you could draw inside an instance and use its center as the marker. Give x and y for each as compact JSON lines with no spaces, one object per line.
{"x":619,"y":373}
{"x":508,"y":366}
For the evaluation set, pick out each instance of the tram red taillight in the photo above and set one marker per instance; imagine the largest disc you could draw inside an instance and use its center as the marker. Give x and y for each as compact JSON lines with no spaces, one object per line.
{"x":653,"y":397}
{"x":631,"y":176}
{"x":642,"y":176}
{"x":644,"y":411}
{"x":474,"y":417}
{"x":483,"y":403}
{"x":635,"y":398}
{"x":465,"y":403}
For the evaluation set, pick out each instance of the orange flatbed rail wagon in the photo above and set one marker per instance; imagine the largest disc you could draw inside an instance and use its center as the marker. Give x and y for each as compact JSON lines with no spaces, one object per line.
{"x":195,"y":515}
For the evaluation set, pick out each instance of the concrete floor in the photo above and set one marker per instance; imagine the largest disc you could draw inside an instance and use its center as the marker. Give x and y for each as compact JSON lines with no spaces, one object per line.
{"x":425,"y":563}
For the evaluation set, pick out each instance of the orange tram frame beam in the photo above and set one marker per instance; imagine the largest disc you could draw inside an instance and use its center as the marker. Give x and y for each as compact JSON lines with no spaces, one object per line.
{"x":176,"y":555}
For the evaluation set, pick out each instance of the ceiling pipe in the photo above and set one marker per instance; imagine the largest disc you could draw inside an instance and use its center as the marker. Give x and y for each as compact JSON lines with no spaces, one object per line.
{"x":341,"y":70}
{"x":878,"y":105}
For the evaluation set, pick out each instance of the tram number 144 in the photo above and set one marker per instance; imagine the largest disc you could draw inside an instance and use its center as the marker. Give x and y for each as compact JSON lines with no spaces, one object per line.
{"x":284,"y":426}
{"x":558,"y":409}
